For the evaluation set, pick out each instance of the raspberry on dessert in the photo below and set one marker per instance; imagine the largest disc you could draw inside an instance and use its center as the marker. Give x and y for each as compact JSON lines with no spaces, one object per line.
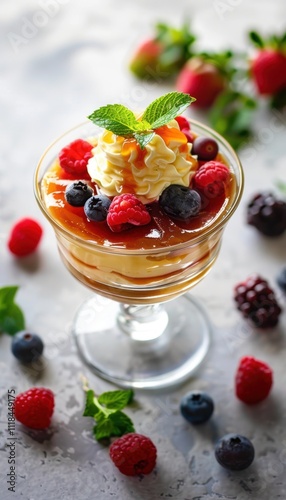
{"x":267,"y":214}
{"x":133,"y":454}
{"x":253,"y":380}
{"x":126,"y":211}
{"x":25,"y":237}
{"x":257,"y":302}
{"x":34,"y":408}
{"x":197,"y":407}
{"x":74,"y":157}
{"x":27,"y":347}
{"x":211,"y":177}
{"x":180,"y":202}
{"x":234,"y":452}
{"x":183,"y":123}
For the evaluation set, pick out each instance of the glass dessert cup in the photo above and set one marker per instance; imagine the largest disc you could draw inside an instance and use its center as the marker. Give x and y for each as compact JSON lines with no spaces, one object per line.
{"x":141,"y":329}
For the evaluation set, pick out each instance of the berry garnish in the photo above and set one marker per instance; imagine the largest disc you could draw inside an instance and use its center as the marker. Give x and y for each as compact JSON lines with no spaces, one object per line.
{"x":211,"y":178}
{"x":27,"y":347}
{"x":281,"y":279}
{"x":234,"y":452}
{"x":34,"y":408}
{"x":205,"y":148}
{"x":77,"y":193}
{"x":96,"y":208}
{"x":188,"y":133}
{"x":133,"y":454}
{"x":267,"y":214}
{"x":253,"y":380}
{"x":126,"y":211}
{"x":25,"y":237}
{"x":74,"y":157}
{"x":257,"y":302}
{"x":180,"y":202}
{"x":183,"y":123}
{"x":197,"y":407}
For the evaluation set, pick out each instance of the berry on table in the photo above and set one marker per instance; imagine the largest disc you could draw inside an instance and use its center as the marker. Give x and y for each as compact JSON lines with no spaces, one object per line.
{"x":180,"y":202}
{"x":253,"y":380}
{"x":205,"y":148}
{"x":281,"y":279}
{"x":234,"y":452}
{"x":34,"y":408}
{"x":267,"y":214}
{"x":257,"y":302}
{"x":197,"y":407}
{"x":125,"y":211}
{"x":96,"y":207}
{"x":25,"y":237}
{"x":211,"y":178}
{"x":133,"y":454}
{"x":74,"y":157}
{"x":77,"y":193}
{"x":27,"y":347}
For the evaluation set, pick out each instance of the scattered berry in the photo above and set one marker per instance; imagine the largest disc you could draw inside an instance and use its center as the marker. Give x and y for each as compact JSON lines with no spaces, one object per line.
{"x":257,"y":302}
{"x":267,"y":214}
{"x":77,"y":193}
{"x":133,"y":454}
{"x":25,"y":237}
{"x":234,"y":452}
{"x":126,"y":211}
{"x":281,"y":280}
{"x":183,"y":123}
{"x":180,"y":202}
{"x":96,"y":208}
{"x":205,"y":148}
{"x":34,"y":408}
{"x":74,"y":157}
{"x":197,"y":407}
{"x":26,"y":346}
{"x":253,"y":380}
{"x":211,"y":178}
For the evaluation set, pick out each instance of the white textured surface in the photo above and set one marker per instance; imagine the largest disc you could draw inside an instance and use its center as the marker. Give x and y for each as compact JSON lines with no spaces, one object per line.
{"x":67,"y":68}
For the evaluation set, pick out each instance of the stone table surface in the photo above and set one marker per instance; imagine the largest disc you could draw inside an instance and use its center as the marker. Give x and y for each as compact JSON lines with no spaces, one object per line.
{"x":60,"y":59}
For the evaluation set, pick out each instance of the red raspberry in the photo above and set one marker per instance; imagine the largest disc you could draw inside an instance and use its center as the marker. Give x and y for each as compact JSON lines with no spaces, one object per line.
{"x":253,"y":380}
{"x":133,"y":454}
{"x":211,"y":177}
{"x":74,"y":157}
{"x":24,"y":237}
{"x":34,"y":408}
{"x":126,"y":210}
{"x":183,"y":123}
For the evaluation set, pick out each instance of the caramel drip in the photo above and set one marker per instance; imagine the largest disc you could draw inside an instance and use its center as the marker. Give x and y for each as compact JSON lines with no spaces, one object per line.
{"x":171,"y":134}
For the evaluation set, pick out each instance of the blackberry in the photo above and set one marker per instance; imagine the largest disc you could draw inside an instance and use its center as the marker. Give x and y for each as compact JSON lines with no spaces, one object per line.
{"x":267,"y":214}
{"x":257,"y":302}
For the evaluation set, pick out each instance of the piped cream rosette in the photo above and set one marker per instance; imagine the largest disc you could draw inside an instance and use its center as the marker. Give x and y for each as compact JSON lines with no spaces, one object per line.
{"x":119,"y":166}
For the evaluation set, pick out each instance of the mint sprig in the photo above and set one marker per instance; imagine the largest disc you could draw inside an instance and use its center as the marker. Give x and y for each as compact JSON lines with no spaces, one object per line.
{"x":121,"y":121}
{"x":106,"y":411}
{"x":11,"y":316}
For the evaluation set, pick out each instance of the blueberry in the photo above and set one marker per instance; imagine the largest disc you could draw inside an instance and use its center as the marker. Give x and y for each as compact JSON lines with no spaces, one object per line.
{"x":96,"y":208}
{"x":197,"y":407}
{"x":234,"y":452}
{"x":27,"y":347}
{"x":77,"y":193}
{"x":205,"y":148}
{"x":180,"y":202}
{"x":281,"y":280}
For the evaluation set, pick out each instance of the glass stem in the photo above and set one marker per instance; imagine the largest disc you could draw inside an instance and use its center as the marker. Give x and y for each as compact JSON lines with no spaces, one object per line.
{"x":142,"y":323}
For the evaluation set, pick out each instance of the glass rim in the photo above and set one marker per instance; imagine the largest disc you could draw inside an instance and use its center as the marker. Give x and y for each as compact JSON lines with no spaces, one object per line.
{"x":214,"y":227}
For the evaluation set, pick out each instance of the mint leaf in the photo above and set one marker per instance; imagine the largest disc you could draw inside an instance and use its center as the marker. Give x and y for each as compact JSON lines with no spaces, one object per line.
{"x":11,"y":316}
{"x":116,"y":425}
{"x":116,"y":118}
{"x":104,"y":429}
{"x":143,"y":138}
{"x":116,"y":399}
{"x":166,"y":108}
{"x":90,"y":408}
{"x":122,"y":423}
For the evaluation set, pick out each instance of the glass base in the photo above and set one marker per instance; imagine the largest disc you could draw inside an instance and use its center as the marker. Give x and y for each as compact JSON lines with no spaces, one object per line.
{"x":156,"y":362}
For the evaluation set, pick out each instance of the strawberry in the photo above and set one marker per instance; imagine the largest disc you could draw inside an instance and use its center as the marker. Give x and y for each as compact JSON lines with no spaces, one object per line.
{"x":202,"y":80}
{"x":146,"y":57}
{"x":268,"y":66}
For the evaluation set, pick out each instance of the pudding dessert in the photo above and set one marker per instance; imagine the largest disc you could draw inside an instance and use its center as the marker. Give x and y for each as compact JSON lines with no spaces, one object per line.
{"x":139,"y":207}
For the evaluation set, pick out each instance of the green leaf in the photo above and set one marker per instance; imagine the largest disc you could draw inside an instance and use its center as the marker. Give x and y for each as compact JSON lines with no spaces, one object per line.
{"x":104,"y":429}
{"x":116,"y":400}
{"x":11,"y":315}
{"x":7,"y":295}
{"x":122,"y":423}
{"x":143,"y":138}
{"x":166,"y":108}
{"x":90,"y":409}
{"x":281,"y":186}
{"x":256,"y":39}
{"x":116,"y":118}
